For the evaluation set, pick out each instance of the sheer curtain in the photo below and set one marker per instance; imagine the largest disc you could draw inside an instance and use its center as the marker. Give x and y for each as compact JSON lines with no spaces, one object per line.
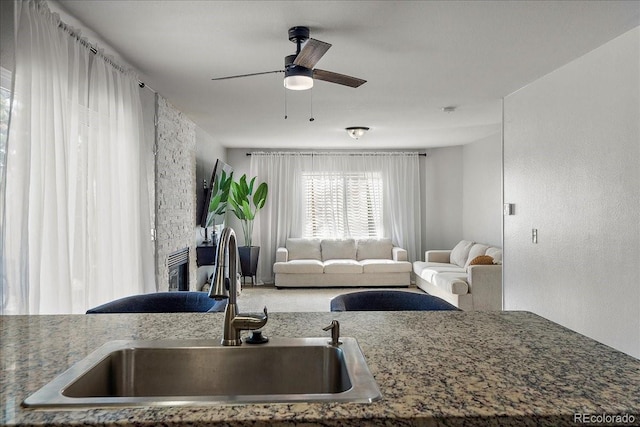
{"x":284,"y":214}
{"x":76,"y":229}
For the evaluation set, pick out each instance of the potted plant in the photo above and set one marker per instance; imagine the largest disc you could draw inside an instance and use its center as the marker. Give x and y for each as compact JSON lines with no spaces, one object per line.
{"x":245,"y":204}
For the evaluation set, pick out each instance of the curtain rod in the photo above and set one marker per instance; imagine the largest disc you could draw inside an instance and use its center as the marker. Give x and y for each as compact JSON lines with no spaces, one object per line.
{"x":338,"y":153}
{"x":84,"y":42}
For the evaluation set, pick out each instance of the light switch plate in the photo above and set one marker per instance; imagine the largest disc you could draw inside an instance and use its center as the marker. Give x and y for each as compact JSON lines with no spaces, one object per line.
{"x":509,"y":209}
{"x":534,"y":235}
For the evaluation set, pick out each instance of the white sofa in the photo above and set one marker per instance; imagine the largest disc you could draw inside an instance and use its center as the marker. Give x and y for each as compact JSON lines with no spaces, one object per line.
{"x":454,"y":276}
{"x":345,"y":262}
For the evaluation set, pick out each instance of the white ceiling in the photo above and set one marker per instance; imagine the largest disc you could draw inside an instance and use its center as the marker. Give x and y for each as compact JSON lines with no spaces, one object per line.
{"x":417,"y":57}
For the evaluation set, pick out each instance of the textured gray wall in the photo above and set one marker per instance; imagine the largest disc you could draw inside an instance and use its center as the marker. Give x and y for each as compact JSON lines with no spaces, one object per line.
{"x":572,"y":168}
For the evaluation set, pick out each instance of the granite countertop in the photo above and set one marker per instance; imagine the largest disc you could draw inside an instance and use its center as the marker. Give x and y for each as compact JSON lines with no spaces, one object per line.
{"x":433,"y":368}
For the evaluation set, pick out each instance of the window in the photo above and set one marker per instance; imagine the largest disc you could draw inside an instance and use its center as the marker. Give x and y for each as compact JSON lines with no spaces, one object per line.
{"x":343,"y":204}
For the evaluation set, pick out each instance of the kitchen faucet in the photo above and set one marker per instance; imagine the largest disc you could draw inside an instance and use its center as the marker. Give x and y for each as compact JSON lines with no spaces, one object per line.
{"x":227,"y":287}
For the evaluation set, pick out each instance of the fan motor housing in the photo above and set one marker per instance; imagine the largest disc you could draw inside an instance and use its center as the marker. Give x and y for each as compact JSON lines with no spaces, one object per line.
{"x":290,"y":69}
{"x":288,"y":60}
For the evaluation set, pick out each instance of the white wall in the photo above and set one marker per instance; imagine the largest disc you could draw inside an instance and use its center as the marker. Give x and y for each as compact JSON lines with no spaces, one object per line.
{"x":462,"y":194}
{"x":208,"y":150}
{"x":482,"y":190}
{"x":239,"y":160}
{"x":442,"y":199}
{"x":572,"y":168}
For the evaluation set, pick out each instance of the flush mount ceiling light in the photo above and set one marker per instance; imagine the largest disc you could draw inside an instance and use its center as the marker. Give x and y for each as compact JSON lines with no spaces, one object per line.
{"x":356,"y":132}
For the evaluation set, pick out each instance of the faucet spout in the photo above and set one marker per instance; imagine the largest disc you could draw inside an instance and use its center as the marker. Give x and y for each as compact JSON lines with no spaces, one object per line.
{"x":227,"y":287}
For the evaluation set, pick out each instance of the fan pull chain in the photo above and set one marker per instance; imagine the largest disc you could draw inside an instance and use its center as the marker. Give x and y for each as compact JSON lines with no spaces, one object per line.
{"x":285,"y":102}
{"x":311,"y":102}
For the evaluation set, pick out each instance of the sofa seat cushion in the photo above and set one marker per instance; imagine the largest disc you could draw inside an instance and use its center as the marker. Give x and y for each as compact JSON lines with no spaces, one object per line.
{"x":342,"y":266}
{"x":385,"y":266}
{"x":299,"y":266}
{"x":452,"y":282}
{"x":439,"y":264}
{"x":338,"y":249}
{"x":418,"y":266}
{"x":300,"y":248}
{"x":374,"y":249}
{"x":428,"y":273}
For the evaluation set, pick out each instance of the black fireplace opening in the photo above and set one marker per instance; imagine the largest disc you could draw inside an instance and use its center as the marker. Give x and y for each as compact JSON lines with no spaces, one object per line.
{"x":178,"y":265}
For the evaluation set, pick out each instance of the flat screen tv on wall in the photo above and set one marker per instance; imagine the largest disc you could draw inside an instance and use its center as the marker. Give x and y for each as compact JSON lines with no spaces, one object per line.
{"x":216,"y":195}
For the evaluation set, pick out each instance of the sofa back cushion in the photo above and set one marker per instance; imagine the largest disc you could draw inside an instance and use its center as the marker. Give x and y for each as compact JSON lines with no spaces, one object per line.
{"x":338,"y":249}
{"x":374,"y":249}
{"x":460,"y":253}
{"x":496,"y":254}
{"x":300,"y":248}
{"x":476,"y":250}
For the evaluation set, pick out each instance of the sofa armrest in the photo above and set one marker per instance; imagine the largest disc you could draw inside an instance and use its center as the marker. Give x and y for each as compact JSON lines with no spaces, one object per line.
{"x":282,"y":255}
{"x":485,"y":286}
{"x":399,"y":254}
{"x":437,"y":256}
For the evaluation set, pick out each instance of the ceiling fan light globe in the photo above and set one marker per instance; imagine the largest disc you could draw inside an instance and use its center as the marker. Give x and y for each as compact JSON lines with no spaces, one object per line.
{"x":298,"y":82}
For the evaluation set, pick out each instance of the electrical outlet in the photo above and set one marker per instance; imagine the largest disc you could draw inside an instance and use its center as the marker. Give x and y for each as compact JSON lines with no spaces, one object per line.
{"x":534,"y":235}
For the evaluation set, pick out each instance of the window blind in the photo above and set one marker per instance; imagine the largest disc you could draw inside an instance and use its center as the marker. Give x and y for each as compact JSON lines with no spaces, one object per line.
{"x":343,"y":204}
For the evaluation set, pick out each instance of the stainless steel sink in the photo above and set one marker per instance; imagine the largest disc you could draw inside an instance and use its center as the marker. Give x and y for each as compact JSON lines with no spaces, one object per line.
{"x":201,"y":372}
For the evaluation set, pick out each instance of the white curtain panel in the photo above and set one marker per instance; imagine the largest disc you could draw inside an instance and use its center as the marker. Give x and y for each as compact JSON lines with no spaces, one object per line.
{"x":281,"y":216}
{"x":76,"y":202}
{"x":284,"y":214}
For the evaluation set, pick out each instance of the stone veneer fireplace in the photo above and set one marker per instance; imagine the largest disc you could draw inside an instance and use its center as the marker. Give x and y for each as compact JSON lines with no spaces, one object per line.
{"x":175,"y":182}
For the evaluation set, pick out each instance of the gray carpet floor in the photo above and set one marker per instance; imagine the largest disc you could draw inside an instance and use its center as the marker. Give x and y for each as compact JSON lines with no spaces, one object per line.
{"x":254,"y":298}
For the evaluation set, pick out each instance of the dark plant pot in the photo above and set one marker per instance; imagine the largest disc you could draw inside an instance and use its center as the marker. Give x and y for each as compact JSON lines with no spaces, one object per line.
{"x":249,"y":260}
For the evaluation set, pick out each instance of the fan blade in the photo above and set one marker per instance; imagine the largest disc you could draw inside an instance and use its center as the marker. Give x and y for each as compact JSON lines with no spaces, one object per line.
{"x":311,"y":53}
{"x":341,"y":79}
{"x":248,"y":75}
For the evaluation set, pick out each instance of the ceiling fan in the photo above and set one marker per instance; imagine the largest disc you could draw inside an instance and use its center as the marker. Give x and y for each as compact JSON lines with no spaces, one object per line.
{"x":299,"y":73}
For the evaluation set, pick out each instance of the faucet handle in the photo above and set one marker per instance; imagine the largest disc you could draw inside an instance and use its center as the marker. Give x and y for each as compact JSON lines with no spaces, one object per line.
{"x":334,"y":327}
{"x":249,"y":322}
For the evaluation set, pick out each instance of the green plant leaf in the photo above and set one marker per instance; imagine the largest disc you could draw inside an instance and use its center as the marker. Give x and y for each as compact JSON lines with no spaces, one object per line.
{"x":244,"y":188}
{"x":246,"y":209}
{"x":260,"y":198}
{"x":215,"y":202}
